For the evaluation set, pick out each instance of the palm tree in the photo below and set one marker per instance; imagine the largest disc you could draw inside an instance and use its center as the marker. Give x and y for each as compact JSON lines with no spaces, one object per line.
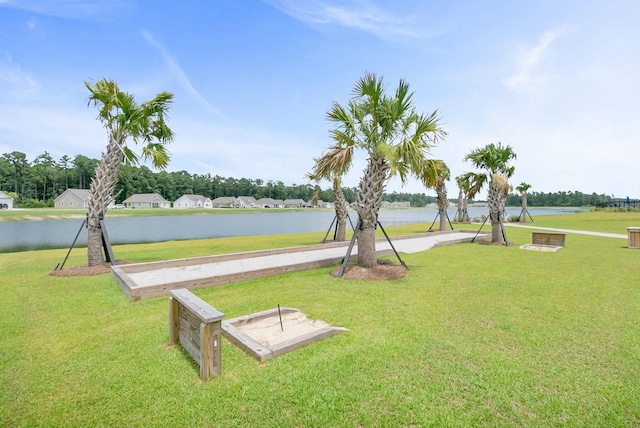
{"x":124,"y":119}
{"x":523,"y":188}
{"x":396,"y":139}
{"x":332,"y":166}
{"x":465,"y":182}
{"x":435,"y":175}
{"x":494,"y":159}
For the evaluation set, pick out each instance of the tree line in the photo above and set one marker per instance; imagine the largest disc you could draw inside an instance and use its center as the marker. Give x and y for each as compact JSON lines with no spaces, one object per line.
{"x":38,"y":182}
{"x":559,"y":199}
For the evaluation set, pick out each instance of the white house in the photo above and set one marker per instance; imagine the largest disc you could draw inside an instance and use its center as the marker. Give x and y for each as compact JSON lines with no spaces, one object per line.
{"x":293,"y":203}
{"x":321,"y":204}
{"x":72,"y":198}
{"x":192,"y":201}
{"x":146,"y":200}
{"x":6,"y":201}
{"x":225,"y":202}
{"x":246,"y":201}
{"x":268,"y":203}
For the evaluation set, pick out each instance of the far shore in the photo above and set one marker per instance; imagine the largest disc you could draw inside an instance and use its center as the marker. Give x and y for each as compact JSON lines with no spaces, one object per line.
{"x":39,"y":214}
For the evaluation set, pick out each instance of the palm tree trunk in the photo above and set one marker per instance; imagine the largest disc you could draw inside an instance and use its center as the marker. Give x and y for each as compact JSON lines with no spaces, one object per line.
{"x":459,"y":216}
{"x":524,"y":207}
{"x":341,"y":205}
{"x":441,"y":191}
{"x":100,"y":194}
{"x":493,"y":199}
{"x":465,"y":211}
{"x":368,"y":203}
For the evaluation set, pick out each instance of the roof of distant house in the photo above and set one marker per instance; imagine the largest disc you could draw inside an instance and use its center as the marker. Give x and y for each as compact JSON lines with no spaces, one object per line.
{"x":79,"y":193}
{"x":144,"y":197}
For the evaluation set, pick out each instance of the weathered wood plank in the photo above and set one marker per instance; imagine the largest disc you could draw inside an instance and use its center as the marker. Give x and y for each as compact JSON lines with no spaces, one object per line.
{"x":196,"y":326}
{"x":246,"y":343}
{"x":633,"y":235}
{"x":549,"y":238}
{"x":174,"y":320}
{"x":305,"y":339}
{"x":199,"y":307}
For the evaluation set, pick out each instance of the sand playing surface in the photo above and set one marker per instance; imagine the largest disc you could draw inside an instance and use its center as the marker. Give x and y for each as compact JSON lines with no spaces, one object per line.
{"x":268,"y":331}
{"x":195,"y":272}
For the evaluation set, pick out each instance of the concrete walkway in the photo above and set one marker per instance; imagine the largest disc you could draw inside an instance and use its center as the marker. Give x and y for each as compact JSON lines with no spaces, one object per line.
{"x":578,"y":232}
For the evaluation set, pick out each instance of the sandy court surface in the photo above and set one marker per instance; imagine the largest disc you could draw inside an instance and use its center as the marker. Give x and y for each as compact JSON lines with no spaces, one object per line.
{"x":188,"y":273}
{"x":539,"y":247}
{"x":267,"y":331}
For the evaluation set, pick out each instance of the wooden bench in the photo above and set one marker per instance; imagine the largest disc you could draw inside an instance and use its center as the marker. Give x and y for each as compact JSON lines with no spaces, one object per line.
{"x":196,"y":326}
{"x":549,"y":238}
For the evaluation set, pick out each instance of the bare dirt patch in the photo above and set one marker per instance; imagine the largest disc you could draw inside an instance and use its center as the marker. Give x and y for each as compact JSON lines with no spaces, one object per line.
{"x":86,"y":270}
{"x":380,"y":272}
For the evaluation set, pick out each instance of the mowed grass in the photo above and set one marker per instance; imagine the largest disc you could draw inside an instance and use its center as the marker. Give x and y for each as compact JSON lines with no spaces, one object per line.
{"x":475,"y":335}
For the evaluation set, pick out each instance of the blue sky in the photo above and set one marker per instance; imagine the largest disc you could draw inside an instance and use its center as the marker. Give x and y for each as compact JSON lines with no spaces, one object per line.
{"x":559,"y":81}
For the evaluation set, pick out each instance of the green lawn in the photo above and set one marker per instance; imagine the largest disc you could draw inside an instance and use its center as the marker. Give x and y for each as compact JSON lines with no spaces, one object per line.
{"x":475,"y":335}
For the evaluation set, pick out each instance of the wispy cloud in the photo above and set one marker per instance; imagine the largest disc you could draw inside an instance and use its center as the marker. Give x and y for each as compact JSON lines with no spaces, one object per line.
{"x":528,"y":70}
{"x":356,"y":14}
{"x":69,"y":9}
{"x":15,"y":82}
{"x":178,"y":74}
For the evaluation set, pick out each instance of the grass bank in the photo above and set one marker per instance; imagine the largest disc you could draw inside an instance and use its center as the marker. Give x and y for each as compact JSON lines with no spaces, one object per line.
{"x":475,"y":335}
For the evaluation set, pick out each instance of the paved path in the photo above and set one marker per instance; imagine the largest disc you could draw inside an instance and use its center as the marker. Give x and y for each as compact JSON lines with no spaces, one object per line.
{"x":579,"y":232}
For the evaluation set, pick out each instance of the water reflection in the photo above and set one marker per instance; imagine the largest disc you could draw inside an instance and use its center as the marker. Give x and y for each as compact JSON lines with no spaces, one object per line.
{"x":24,"y":235}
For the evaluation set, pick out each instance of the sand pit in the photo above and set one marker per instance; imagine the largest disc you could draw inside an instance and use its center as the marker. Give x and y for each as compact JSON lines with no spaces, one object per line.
{"x":153,"y":279}
{"x":540,"y":247}
{"x":267,"y":334}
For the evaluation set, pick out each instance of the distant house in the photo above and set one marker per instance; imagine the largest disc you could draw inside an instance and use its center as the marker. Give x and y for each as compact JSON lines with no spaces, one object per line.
{"x":396,"y":204}
{"x":146,"y":200}
{"x":73,"y":198}
{"x":321,"y":204}
{"x":293,"y":203}
{"x":192,"y":201}
{"x":268,"y":203}
{"x":225,"y":202}
{"x":6,"y":201}
{"x":246,"y":201}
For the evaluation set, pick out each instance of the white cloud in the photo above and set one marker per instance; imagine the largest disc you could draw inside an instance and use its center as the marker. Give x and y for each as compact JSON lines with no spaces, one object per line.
{"x":179,"y":75}
{"x":356,"y":14}
{"x":529,"y":71}
{"x":69,"y":9}
{"x":14,"y":82}
{"x":238,"y":151}
{"x":57,"y":130}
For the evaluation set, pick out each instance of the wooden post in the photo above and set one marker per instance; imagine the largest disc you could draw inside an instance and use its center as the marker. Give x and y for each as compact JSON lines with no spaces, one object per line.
{"x":633,"y":237}
{"x":196,"y":326}
{"x":174,"y":320}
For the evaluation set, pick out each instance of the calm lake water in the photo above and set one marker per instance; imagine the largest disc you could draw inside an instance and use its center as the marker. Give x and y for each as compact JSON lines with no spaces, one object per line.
{"x":29,"y":235}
